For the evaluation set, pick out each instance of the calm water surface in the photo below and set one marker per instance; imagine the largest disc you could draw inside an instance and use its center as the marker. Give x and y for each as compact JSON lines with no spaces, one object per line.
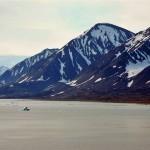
{"x":73,"y":126}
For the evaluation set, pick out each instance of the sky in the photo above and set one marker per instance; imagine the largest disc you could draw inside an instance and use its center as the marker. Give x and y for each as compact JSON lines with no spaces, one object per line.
{"x":29,"y":26}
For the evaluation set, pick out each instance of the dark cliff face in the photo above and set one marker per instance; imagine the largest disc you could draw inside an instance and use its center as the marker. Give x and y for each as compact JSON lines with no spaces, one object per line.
{"x":124,"y":68}
{"x":22,"y":71}
{"x":105,"y":60}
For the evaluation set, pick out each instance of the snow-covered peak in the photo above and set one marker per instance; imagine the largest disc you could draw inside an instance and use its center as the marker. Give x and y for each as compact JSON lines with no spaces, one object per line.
{"x":147,"y":31}
{"x":139,"y":39}
{"x":96,"y":41}
{"x":108,"y":32}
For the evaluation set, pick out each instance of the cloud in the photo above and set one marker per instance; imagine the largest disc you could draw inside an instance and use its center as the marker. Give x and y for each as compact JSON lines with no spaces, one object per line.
{"x":27,"y":26}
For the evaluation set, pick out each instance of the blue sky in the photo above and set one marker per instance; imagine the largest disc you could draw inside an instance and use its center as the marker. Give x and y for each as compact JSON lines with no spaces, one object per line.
{"x":28,"y":26}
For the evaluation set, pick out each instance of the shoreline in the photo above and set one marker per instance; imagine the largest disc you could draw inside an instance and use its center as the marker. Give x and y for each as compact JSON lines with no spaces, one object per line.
{"x":141,"y":102}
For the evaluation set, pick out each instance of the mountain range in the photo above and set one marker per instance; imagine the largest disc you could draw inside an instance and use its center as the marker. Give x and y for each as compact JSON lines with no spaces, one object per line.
{"x":106,"y":62}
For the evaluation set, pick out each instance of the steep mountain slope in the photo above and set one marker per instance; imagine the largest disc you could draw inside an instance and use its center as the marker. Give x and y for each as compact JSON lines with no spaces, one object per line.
{"x":3,"y":69}
{"x":65,"y":64}
{"x":127,"y":67}
{"x":28,"y":67}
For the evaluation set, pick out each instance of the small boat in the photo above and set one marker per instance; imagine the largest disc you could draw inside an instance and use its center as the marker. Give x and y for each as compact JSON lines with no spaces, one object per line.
{"x":26,"y":109}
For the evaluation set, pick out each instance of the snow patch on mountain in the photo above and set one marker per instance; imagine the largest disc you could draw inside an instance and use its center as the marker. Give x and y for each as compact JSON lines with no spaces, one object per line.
{"x":85,"y":58}
{"x":72,"y":83}
{"x":107,"y":33}
{"x":61,"y":92}
{"x":85,"y":81}
{"x":25,"y":79}
{"x":130,"y":83}
{"x":148,"y":82}
{"x":134,"y":68}
{"x":41,"y":78}
{"x":79,"y":67}
{"x":138,"y":40}
{"x":118,"y":54}
{"x":98,"y":80}
{"x":71,"y":56}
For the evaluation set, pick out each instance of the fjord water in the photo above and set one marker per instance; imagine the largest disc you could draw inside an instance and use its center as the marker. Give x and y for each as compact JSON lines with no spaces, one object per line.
{"x":73,"y":126}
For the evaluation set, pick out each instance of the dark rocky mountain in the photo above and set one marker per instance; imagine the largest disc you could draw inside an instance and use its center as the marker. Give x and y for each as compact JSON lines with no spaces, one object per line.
{"x":126,"y":68}
{"x":103,"y":63}
{"x":27,"y":68}
{"x":65,"y":64}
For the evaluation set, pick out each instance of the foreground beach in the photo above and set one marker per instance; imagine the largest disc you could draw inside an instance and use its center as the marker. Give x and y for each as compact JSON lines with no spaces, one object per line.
{"x":73,"y":126}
